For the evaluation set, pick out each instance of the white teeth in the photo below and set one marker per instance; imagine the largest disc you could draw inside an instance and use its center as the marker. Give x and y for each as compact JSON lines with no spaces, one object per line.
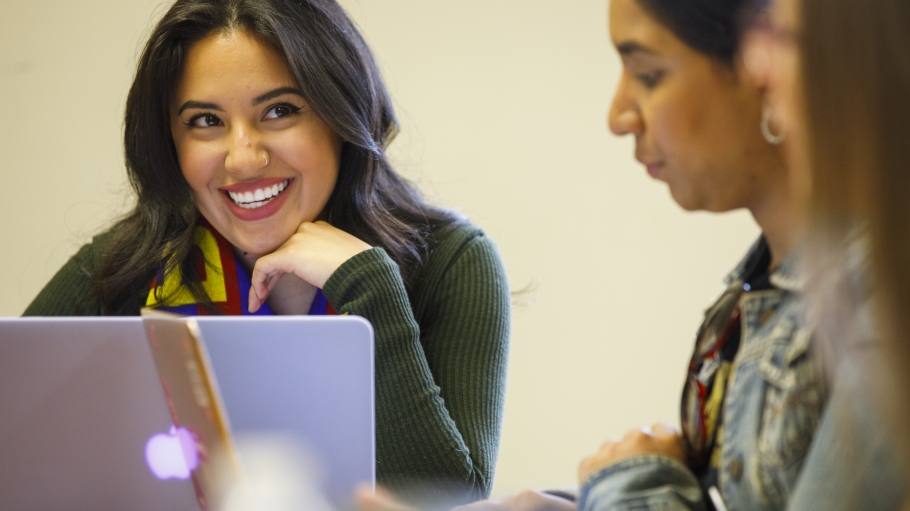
{"x":259,"y":197}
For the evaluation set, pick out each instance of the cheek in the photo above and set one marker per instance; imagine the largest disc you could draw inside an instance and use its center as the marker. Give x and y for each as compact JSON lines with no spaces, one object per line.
{"x":315,"y":157}
{"x":676,"y":133}
{"x":199,"y":164}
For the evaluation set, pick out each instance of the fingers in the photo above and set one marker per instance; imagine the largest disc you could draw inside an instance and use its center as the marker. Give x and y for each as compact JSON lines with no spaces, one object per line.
{"x":258,"y":290}
{"x":661,"y":439}
{"x":670,"y":442}
{"x":264,"y":280}
{"x":525,"y":501}
{"x":637,"y":433}
{"x":664,"y":429}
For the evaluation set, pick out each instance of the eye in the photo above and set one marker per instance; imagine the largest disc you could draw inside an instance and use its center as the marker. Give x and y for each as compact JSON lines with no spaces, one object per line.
{"x":650,"y":80}
{"x":204,"y":121}
{"x":281,"y":110}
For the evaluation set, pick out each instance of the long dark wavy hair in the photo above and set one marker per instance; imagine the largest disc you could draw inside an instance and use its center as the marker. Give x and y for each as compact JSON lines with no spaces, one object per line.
{"x":337,"y":74}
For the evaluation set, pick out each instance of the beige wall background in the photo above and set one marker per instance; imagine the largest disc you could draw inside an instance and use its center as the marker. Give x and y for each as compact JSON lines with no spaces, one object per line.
{"x":503,"y":106}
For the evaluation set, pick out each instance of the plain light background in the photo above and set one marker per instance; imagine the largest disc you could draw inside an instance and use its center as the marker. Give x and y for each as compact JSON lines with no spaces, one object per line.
{"x":503,"y":110}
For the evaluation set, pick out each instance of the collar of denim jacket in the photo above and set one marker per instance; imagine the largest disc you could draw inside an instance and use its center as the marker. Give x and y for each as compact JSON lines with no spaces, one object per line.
{"x":788,"y":276}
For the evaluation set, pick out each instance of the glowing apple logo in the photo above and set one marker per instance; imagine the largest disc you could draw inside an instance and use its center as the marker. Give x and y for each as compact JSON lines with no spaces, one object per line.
{"x":172,"y":455}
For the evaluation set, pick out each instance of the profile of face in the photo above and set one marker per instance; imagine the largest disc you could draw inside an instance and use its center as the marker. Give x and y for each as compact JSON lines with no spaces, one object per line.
{"x":257,"y":158}
{"x":695,"y":119}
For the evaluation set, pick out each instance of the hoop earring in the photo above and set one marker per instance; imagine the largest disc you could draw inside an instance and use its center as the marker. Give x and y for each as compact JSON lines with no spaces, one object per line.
{"x":771,"y":138}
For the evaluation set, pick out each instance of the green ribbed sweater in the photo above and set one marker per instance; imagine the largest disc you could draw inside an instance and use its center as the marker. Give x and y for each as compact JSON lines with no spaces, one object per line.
{"x":440,"y":355}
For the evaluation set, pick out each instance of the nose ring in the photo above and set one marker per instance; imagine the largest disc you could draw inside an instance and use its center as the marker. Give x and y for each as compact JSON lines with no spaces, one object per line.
{"x":265,"y":156}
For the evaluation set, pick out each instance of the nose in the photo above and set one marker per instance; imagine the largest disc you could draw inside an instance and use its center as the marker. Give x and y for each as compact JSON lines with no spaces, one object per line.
{"x":624,"y":117}
{"x":246,"y":154}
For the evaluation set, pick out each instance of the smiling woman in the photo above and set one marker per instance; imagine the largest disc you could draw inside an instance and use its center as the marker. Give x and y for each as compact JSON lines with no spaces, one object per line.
{"x":255,"y":139}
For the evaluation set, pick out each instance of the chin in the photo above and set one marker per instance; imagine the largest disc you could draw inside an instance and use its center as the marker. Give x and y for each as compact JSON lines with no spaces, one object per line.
{"x":685,"y":201}
{"x":260,"y":239}
{"x":255,"y":243}
{"x":261,"y":247}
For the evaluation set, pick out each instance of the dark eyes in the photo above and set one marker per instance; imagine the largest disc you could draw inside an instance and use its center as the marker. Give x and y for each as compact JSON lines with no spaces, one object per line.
{"x":281,"y":110}
{"x":203,"y":121}
{"x":208,"y":120}
{"x":650,"y":80}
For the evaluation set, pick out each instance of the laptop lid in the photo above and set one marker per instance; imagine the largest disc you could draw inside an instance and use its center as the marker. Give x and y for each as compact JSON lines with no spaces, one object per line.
{"x":313,"y":381}
{"x":80,"y":400}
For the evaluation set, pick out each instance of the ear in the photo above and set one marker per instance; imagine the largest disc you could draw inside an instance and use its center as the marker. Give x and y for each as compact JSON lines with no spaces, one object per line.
{"x":754,"y":64}
{"x":754,"y":60}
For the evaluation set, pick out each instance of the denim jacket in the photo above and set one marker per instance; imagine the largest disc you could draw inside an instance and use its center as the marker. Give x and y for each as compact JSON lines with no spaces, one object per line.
{"x":772,"y":407}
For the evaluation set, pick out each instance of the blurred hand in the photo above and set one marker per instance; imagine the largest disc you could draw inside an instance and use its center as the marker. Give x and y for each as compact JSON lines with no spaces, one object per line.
{"x":525,"y":501}
{"x":313,"y":253}
{"x":660,"y":439}
{"x":382,"y":500}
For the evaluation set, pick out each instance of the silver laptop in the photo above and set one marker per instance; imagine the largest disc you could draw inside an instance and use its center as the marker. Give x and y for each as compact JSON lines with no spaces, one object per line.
{"x":80,"y":400}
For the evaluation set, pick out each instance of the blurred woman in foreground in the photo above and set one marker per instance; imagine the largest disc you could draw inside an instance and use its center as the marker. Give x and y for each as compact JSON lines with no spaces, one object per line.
{"x":840,"y":75}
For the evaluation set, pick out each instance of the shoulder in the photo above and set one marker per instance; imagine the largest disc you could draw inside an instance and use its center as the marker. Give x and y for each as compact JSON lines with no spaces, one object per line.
{"x":91,"y":255}
{"x":72,"y":291}
{"x":101,"y":244}
{"x":462,"y":260}
{"x":459,"y":242}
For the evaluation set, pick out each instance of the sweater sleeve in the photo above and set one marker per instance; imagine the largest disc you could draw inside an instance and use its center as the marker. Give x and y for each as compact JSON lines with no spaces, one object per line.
{"x":71,"y":291}
{"x":440,"y":384}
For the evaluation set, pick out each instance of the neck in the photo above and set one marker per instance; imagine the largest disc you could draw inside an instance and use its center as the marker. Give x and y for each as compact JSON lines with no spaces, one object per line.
{"x":782,"y":221}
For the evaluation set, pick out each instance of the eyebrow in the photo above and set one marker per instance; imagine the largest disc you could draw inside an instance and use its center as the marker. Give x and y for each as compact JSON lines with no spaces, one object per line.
{"x":262,"y":98}
{"x":631,"y":47}
{"x":198,"y":104}
{"x":281,"y":91}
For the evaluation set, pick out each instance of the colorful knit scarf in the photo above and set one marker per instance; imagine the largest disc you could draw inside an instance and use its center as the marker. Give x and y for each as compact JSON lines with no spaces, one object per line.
{"x":225,"y":280}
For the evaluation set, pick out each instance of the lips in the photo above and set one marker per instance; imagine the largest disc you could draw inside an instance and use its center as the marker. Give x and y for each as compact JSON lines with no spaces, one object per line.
{"x":652,"y":166}
{"x":653,"y":169}
{"x":258,"y":199}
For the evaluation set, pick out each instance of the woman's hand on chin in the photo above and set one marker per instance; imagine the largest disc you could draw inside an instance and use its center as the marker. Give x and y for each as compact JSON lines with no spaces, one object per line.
{"x":313,"y":253}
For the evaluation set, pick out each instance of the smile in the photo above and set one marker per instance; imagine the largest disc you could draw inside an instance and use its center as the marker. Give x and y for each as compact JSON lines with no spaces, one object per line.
{"x":260,"y":197}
